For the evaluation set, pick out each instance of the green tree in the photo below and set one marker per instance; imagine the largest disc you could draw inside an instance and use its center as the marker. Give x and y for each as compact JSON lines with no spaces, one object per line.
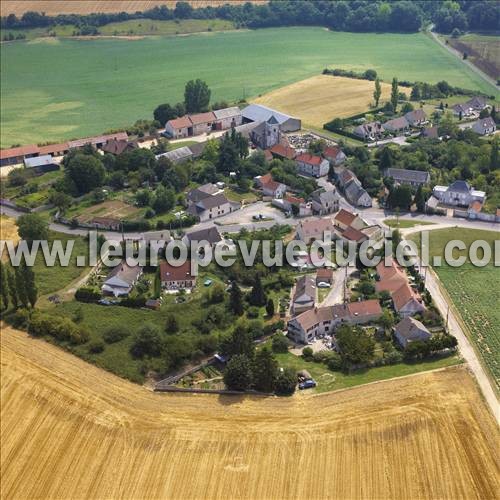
{"x":240,"y":341}
{"x":265,"y":370}
{"x":236,"y":299}
{"x":400,"y":197}
{"x":164,"y":199}
{"x":355,"y":345}
{"x":30,"y":289}
{"x":147,"y":342}
{"x":20,"y":285}
{"x":196,"y":96}
{"x":286,"y":382}
{"x":494,"y":159}
{"x":270,"y":307}
{"x":386,"y":159}
{"x":386,"y":320}
{"x":84,"y":171}
{"x":396,"y":239}
{"x":394,"y":93}
{"x":257,"y":295}
{"x":11,"y":280}
{"x":4,"y":286}
{"x":171,"y":324}
{"x":420,"y":199}
{"x":60,"y":200}
{"x":229,"y":156}
{"x":32,"y":227}
{"x":377,"y":93}
{"x":279,"y":343}
{"x":163,"y":113}
{"x":238,"y":374}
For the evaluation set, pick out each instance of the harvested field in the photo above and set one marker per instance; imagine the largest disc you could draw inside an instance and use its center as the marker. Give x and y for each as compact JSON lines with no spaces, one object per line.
{"x":8,"y":229}
{"x":54,"y":7}
{"x":114,"y":209}
{"x":321,"y":98}
{"x":85,"y":433}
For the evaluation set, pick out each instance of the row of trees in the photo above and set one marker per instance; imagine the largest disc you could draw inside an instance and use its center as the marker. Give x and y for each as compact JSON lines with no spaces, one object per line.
{"x":17,"y":287}
{"x":361,"y":16}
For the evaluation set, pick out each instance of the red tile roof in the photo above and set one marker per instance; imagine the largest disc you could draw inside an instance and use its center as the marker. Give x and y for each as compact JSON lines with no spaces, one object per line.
{"x":19,"y":151}
{"x":309,"y":159}
{"x":353,"y":234}
{"x":182,"y":122}
{"x":200,"y":118}
{"x":51,"y":149}
{"x":324,"y":273}
{"x":476,"y":206}
{"x":364,"y":308}
{"x":345,"y":217}
{"x":392,"y":277}
{"x":331,"y":151}
{"x":283,"y":151}
{"x":402,"y":296}
{"x":271,"y":185}
{"x":171,"y":273}
{"x":294,"y":199}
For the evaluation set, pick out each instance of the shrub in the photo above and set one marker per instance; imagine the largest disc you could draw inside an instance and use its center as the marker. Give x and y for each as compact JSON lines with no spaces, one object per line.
{"x":286,"y":382}
{"x":62,"y":329}
{"x":19,"y":319}
{"x":115,"y":334}
{"x":96,"y":347}
{"x":279,"y":343}
{"x":335,"y":362}
{"x":253,"y":312}
{"x":307,"y":353}
{"x":86,"y":294}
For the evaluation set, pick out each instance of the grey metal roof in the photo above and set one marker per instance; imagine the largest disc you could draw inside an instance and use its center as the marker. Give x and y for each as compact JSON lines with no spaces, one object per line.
{"x":176,"y":155}
{"x":212,"y":201}
{"x":460,"y":186}
{"x":210,"y":234}
{"x":412,"y":329}
{"x":400,"y":174}
{"x":38,"y":161}
{"x":259,"y":113}
{"x":227,"y":112}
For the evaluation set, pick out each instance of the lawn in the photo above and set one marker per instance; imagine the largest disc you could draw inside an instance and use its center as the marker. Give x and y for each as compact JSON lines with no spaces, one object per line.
{"x":328,"y":380}
{"x":94,"y":85}
{"x":474,"y":291}
{"x":406,"y":223}
{"x":57,"y":277}
{"x":321,"y":98}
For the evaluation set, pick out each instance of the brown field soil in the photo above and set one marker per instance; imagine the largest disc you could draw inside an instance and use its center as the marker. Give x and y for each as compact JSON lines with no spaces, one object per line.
{"x":114,"y":209}
{"x":321,"y":98}
{"x":54,"y":7}
{"x":483,"y":52}
{"x":70,"y":430}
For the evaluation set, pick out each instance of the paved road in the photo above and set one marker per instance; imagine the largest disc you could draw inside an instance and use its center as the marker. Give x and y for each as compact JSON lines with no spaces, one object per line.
{"x":459,"y":55}
{"x":336,"y":293}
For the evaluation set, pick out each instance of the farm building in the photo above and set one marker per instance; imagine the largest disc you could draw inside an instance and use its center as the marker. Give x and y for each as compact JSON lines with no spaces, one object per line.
{"x":412,"y":177}
{"x":179,"y":127}
{"x":118,"y":146}
{"x":356,"y":194}
{"x":14,"y":156}
{"x":283,"y":152}
{"x":260,"y":113}
{"x":41,"y":164}
{"x":208,"y":202}
{"x":406,"y":301}
{"x":210,"y":234}
{"x":227,"y":118}
{"x":178,"y":155}
{"x":202,"y":123}
{"x":59,"y":149}
{"x":121,"y":280}
{"x":98,"y":141}
{"x":176,"y":278}
{"x":312,"y":165}
{"x":410,"y":330}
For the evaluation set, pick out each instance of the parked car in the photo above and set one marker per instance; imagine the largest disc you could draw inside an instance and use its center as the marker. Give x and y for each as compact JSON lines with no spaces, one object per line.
{"x":308,"y":384}
{"x":323,"y":284}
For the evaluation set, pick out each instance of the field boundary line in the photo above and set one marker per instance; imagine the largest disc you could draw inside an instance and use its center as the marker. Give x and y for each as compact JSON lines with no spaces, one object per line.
{"x":466,"y":331}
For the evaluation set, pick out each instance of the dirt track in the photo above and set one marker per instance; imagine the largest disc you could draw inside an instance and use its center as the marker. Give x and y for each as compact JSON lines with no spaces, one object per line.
{"x":70,"y":430}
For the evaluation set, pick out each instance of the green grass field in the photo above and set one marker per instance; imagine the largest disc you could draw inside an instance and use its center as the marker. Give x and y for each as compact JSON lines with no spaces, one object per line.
{"x":54,"y":89}
{"x":474,"y":291}
{"x":328,"y":380}
{"x":406,"y":223}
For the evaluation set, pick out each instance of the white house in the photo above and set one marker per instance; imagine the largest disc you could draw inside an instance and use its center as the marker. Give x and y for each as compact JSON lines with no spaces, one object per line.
{"x":459,"y":193}
{"x":312,"y":165}
{"x":486,"y":126}
{"x":121,"y":280}
{"x":304,"y":296}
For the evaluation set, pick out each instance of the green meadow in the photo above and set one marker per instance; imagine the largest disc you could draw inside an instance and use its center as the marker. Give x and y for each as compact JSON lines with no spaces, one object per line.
{"x":53,"y":89}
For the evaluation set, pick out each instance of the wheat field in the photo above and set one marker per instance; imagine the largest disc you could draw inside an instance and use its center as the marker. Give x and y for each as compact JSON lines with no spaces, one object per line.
{"x":70,"y":430}
{"x":54,"y":7}
{"x":321,"y":98}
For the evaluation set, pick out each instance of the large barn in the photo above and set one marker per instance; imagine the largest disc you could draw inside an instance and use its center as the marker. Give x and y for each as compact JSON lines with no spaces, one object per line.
{"x":259,"y":113}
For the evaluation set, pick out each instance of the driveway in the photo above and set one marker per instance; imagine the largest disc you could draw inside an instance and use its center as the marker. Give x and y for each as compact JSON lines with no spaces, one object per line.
{"x":336,"y":293}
